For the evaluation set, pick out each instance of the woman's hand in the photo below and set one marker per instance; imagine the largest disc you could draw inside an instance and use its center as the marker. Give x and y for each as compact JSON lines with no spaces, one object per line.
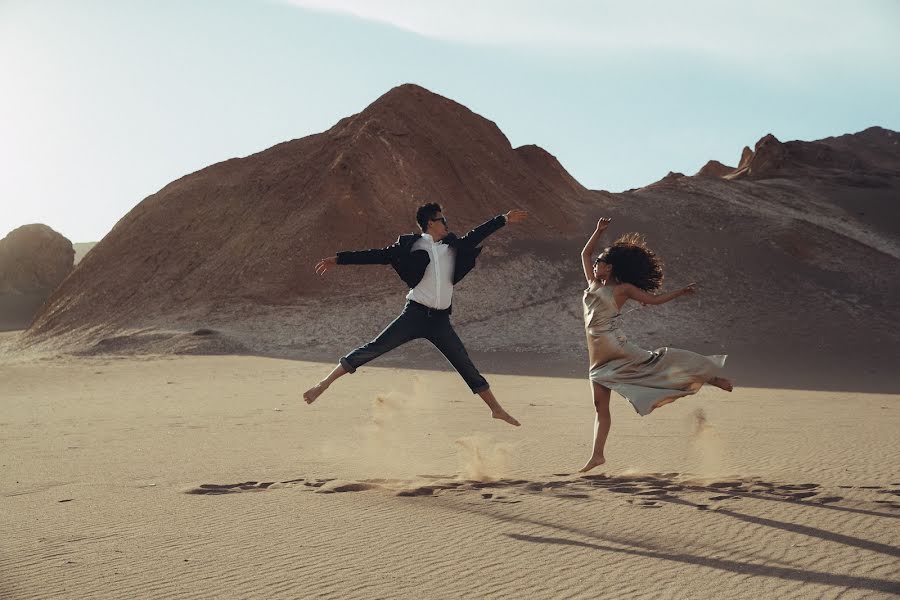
{"x":326,"y":263}
{"x":689,"y":290}
{"x":602,"y":224}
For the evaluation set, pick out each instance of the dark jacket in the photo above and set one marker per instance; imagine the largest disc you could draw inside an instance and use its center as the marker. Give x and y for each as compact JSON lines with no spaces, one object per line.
{"x":410,"y":264}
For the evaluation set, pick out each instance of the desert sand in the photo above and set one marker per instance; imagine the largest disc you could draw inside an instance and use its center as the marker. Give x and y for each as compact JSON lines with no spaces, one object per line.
{"x":208,"y":477}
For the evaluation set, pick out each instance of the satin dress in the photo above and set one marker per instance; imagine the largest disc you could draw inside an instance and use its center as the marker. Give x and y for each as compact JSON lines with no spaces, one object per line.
{"x":646,"y":378}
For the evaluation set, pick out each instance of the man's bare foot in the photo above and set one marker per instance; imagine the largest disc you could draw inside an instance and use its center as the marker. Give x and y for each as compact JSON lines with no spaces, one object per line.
{"x":721,"y":383}
{"x":505,"y":416}
{"x":314,"y":392}
{"x":594,"y":462}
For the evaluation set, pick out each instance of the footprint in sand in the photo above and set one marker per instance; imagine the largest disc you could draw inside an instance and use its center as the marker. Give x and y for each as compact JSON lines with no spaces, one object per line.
{"x":210,"y":489}
{"x":798,"y":486}
{"x":623,"y":489}
{"x":652,"y":492}
{"x":725,"y":484}
{"x":799,"y":495}
{"x":317,"y":483}
{"x":336,"y":487}
{"x":424,"y":490}
{"x":645,"y":491}
{"x":644,"y":504}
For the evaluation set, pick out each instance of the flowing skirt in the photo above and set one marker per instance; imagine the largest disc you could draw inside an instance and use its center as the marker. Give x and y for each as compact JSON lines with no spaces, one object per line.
{"x":648,"y":378}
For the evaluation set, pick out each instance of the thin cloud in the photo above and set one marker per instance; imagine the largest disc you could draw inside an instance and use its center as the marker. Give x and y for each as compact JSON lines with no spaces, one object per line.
{"x":745,"y":31}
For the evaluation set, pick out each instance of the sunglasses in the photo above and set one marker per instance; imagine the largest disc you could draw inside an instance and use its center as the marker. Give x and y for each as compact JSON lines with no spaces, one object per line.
{"x":441,"y":219}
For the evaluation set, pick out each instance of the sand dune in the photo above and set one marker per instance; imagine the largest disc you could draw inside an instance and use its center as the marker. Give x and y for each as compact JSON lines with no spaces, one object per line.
{"x":207,"y":477}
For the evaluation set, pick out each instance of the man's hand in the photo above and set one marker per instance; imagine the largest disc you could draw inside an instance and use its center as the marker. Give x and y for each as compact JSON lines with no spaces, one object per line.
{"x":516,"y":216}
{"x":326,"y":263}
{"x":689,"y":290}
{"x":602,"y":224}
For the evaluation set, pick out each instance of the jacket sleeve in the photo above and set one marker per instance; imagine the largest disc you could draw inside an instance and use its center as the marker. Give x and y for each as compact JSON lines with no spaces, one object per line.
{"x":478,"y":235}
{"x":376,"y":256}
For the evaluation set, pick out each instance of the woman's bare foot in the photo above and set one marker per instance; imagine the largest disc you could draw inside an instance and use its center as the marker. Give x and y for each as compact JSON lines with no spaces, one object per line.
{"x":594,"y":462}
{"x":505,"y":416}
{"x":721,"y":383}
{"x":314,"y":392}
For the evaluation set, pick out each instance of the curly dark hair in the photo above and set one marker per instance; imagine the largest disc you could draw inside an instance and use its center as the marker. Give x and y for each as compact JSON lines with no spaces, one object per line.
{"x":426,"y":212}
{"x":633,"y":262}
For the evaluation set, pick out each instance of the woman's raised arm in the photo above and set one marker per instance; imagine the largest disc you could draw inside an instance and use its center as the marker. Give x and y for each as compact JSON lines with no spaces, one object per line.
{"x":588,"y":251}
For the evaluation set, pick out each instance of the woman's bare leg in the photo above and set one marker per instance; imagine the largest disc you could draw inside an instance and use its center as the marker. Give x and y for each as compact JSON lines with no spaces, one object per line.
{"x":496,"y":410}
{"x":315,"y":391}
{"x":602,"y":422}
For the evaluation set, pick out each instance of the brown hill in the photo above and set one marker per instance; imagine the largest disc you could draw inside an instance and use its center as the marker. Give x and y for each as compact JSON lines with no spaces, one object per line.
{"x":34,"y":259}
{"x":792,"y":251}
{"x":874,"y":147}
{"x":714,"y":169}
{"x":248,"y":230}
{"x":795,"y":254}
{"x":857,"y":158}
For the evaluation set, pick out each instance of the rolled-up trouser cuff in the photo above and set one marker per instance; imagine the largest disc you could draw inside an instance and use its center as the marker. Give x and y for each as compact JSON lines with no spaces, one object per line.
{"x":481,"y":388}
{"x":347,"y":366}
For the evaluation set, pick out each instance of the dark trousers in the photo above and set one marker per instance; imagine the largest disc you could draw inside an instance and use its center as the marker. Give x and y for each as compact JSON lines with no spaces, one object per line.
{"x":418,"y":321}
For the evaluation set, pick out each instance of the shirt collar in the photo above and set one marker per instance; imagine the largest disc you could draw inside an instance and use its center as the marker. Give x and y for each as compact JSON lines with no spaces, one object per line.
{"x":427,"y":237}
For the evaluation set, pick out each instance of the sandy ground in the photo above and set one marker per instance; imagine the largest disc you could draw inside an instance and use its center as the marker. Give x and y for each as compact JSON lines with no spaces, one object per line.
{"x":207,"y":477}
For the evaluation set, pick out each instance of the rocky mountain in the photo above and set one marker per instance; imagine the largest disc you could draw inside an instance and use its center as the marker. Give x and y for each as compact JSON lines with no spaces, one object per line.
{"x":246,"y":230}
{"x":794,"y":250}
{"x":34,"y":259}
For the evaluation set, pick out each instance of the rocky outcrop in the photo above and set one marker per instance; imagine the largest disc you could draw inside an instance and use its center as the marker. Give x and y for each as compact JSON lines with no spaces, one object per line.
{"x":671,"y":179}
{"x":34,"y":260}
{"x":714,"y":169}
{"x":746,"y":157}
{"x":769,"y":158}
{"x":870,"y":152}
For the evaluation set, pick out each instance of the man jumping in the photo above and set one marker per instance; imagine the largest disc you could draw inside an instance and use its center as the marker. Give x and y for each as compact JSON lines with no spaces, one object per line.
{"x":430,"y":263}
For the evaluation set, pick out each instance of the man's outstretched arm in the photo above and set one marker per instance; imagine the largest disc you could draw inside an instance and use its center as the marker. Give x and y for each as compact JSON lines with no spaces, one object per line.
{"x":376,"y":256}
{"x":478,"y":235}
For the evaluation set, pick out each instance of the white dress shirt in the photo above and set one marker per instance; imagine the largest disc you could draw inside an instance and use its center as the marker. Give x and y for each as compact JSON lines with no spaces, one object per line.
{"x":436,"y":288}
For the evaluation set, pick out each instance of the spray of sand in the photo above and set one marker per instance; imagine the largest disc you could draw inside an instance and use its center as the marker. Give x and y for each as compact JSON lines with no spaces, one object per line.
{"x":395,"y":439}
{"x":706,"y":445}
{"x":480,"y":459}
{"x":402,"y":439}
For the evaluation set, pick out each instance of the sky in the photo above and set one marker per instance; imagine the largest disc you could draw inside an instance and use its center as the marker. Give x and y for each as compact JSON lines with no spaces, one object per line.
{"x":104,"y":102}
